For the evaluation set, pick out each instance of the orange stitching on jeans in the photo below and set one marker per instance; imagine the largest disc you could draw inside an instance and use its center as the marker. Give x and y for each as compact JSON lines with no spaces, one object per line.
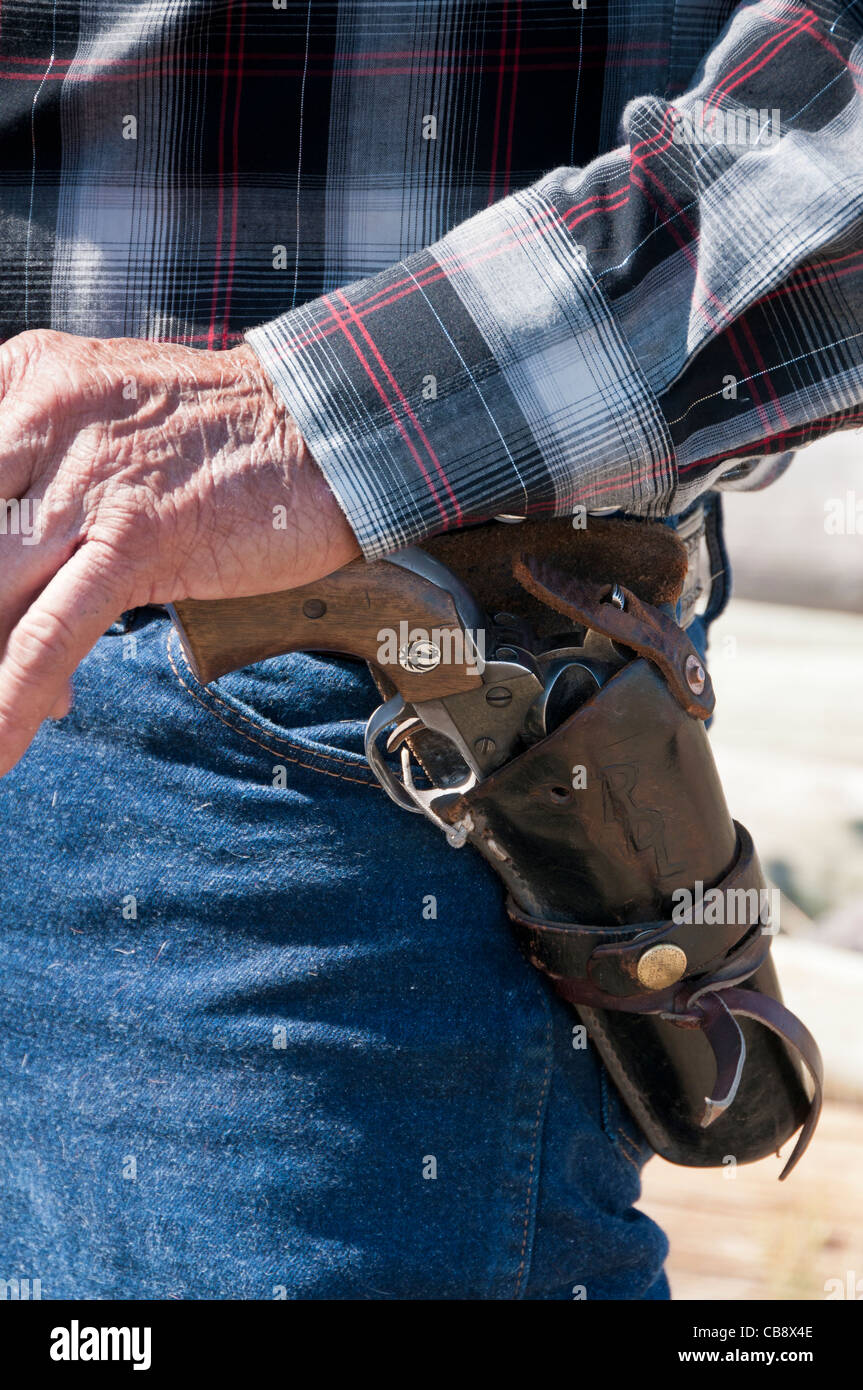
{"x":623,"y":1153}
{"x":276,"y":752}
{"x":298,"y":748}
{"x":539,"y":1110}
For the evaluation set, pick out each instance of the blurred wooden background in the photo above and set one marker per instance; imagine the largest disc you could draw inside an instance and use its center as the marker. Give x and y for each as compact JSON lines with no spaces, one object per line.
{"x":787,"y":663}
{"x":752,"y":1237}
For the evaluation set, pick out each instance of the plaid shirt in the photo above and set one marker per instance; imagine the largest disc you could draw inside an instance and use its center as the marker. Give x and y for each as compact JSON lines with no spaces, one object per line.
{"x":458,"y":331}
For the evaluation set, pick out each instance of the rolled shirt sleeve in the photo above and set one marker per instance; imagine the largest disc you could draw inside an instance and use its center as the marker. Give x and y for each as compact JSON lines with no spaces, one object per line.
{"x":611,"y":336}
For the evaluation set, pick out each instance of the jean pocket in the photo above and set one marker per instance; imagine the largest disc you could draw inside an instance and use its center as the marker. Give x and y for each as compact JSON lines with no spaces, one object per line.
{"x":306,"y":707}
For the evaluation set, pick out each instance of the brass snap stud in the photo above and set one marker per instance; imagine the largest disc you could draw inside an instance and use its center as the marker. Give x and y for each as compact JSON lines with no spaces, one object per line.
{"x":661,"y":966}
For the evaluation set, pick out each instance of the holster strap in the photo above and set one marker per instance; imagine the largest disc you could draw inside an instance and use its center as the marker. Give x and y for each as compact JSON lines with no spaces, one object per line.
{"x":639,"y":626}
{"x":730,"y":1053}
{"x":609,"y":956}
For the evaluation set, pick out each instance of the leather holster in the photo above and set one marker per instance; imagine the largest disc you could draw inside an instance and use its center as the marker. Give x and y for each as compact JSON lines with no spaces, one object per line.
{"x":595,"y":830}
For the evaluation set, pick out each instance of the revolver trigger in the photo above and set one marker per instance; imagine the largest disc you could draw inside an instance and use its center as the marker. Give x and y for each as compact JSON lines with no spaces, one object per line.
{"x":405,"y":793}
{"x":402,"y":731}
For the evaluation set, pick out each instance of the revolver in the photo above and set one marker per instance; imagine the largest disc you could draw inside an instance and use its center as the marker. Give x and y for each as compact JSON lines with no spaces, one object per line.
{"x":485,"y":690}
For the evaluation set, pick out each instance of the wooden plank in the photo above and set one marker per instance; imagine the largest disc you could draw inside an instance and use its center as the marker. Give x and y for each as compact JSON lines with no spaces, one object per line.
{"x":751,"y":1237}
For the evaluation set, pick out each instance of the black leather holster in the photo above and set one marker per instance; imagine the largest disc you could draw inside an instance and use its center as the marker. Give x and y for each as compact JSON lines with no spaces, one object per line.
{"x":609,"y":834}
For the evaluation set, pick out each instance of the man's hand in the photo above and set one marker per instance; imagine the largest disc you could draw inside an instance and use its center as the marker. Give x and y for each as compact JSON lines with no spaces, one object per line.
{"x":139,"y":473}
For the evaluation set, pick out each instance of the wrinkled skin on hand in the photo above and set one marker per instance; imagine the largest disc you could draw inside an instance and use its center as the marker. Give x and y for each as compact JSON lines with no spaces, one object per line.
{"x":157,"y":473}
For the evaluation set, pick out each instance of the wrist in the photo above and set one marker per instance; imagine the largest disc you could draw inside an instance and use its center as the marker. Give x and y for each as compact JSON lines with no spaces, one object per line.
{"x":315,"y":522}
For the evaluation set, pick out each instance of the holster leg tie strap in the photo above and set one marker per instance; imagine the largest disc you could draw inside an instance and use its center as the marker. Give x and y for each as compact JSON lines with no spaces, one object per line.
{"x":709,"y":1003}
{"x":730,"y":1054}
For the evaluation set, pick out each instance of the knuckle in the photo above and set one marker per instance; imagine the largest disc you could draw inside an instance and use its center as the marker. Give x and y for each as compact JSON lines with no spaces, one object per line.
{"x":115,"y":566}
{"x":43,"y":636}
{"x":16,"y":733}
{"x":64,"y":369}
{"x":114,"y":539}
{"x":25,"y":349}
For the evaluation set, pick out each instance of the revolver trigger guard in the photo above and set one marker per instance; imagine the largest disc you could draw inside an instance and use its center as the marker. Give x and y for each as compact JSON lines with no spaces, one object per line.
{"x":405,"y":793}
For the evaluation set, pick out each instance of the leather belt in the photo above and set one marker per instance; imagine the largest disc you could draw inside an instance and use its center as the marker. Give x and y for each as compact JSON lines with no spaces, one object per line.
{"x":673,"y":564}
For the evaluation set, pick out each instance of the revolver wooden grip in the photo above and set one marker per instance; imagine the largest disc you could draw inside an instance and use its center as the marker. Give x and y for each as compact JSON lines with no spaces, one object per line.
{"x":351,"y":611}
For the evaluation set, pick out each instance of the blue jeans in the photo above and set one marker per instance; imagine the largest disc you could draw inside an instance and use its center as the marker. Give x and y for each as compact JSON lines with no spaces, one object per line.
{"x":264,"y":1035}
